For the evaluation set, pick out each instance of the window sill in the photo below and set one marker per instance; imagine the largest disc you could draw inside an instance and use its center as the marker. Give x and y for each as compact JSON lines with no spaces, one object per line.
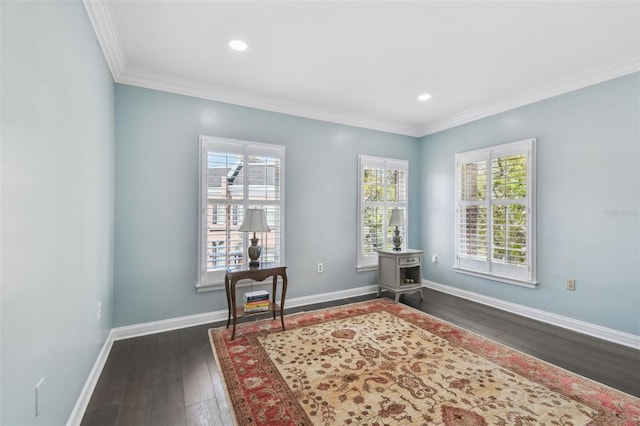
{"x":365,"y":268}
{"x":204,"y":287}
{"x":499,"y":278}
{"x":219,"y":285}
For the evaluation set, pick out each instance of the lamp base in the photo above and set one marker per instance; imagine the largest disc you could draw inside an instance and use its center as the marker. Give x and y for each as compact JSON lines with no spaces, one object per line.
{"x":397,"y":240}
{"x":254,"y":252}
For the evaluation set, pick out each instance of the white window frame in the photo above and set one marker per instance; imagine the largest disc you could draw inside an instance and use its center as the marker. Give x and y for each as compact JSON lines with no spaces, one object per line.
{"x":485,"y":267}
{"x":214,"y":279}
{"x":370,"y":262}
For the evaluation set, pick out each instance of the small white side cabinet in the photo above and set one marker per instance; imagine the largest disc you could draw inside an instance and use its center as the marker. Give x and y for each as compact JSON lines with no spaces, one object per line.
{"x":400,"y":272}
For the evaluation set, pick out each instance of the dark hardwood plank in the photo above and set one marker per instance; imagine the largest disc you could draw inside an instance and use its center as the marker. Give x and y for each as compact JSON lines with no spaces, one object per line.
{"x":223,"y":411}
{"x":109,"y":390}
{"x":101,"y":417}
{"x":136,"y":404}
{"x":195,"y":371}
{"x":167,"y":403}
{"x":172,"y":378}
{"x":204,"y":413}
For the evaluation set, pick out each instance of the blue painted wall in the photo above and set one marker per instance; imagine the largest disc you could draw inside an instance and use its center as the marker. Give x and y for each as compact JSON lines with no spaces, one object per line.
{"x":59,"y":188}
{"x":588,"y":202}
{"x":57,"y":207}
{"x":157,"y":198}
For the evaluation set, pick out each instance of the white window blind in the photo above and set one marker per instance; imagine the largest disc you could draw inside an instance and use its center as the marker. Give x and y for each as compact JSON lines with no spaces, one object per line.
{"x":495,"y":222}
{"x":234,"y":176}
{"x":382,"y":187}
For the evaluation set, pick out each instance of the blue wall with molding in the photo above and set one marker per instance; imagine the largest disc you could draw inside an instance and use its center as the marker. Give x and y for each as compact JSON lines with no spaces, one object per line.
{"x":57,"y":207}
{"x":157,"y":198}
{"x":100,"y":185}
{"x":588,"y":202}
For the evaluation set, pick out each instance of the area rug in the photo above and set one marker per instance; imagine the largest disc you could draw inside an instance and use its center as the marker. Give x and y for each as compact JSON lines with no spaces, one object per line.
{"x":381,"y":363}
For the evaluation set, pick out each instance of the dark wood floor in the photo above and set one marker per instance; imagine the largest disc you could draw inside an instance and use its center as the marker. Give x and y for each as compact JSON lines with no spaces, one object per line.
{"x":171,"y":378}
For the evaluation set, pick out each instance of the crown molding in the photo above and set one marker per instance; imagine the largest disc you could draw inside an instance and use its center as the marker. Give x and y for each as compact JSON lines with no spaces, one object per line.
{"x":100,"y":17}
{"x":512,"y":102}
{"x":228,"y":95}
{"x":231,"y":96}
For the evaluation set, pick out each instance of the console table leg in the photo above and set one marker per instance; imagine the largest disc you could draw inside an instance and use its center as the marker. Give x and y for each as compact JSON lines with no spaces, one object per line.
{"x":284,"y":294}
{"x":226,"y":290}
{"x":273,"y":293}
{"x":232,"y":305}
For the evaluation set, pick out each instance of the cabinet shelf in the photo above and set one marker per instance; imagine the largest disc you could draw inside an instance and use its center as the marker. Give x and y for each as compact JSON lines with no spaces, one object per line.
{"x":400,"y":272}
{"x":273,"y":307}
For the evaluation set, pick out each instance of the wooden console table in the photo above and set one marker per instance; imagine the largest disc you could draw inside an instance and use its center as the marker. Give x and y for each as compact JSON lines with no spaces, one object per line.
{"x":257,"y":273}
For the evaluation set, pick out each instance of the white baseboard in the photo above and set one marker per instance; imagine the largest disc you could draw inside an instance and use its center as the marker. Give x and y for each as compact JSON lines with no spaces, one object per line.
{"x":89,"y":385}
{"x":143,"y":329}
{"x":334,"y":295}
{"x":126,"y":332}
{"x":136,"y":330}
{"x":604,"y":333}
{"x":153,"y":327}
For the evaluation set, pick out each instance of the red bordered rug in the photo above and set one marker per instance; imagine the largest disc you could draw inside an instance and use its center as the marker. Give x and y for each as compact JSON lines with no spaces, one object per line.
{"x":381,"y":363}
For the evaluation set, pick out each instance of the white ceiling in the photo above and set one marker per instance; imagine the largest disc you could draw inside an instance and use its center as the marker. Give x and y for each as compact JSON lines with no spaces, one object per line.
{"x":363,"y":62}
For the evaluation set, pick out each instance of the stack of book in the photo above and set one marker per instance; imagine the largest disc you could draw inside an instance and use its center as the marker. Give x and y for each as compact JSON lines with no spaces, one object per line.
{"x":256,"y":301}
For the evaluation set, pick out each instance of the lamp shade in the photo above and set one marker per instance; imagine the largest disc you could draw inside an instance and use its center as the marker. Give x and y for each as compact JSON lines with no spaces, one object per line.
{"x":397,"y":218}
{"x":255,"y":220}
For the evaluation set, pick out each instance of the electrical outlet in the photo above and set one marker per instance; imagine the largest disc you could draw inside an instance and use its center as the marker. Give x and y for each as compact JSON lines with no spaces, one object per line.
{"x":571,"y":284}
{"x":434,"y":259}
{"x":320,"y":267}
{"x":99,"y":315}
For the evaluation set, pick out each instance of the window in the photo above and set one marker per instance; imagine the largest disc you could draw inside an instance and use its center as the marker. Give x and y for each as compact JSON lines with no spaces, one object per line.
{"x":382,"y":187}
{"x":495,"y":214}
{"x":234,"y":176}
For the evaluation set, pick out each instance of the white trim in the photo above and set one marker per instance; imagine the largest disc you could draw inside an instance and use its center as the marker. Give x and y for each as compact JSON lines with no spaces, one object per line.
{"x":217,"y":93}
{"x":153,"y":327}
{"x":521,"y":275}
{"x":146,"y":328}
{"x":209,"y":280}
{"x":100,"y":17}
{"x":492,"y":277}
{"x":508,"y":103}
{"x":334,"y":295}
{"x":385,"y":163}
{"x":367,"y":268}
{"x":219,"y":285}
{"x":89,"y":385}
{"x":211,"y":286}
{"x":102,"y":22}
{"x":604,"y":333}
{"x":143,"y":329}
{"x":222,"y":94}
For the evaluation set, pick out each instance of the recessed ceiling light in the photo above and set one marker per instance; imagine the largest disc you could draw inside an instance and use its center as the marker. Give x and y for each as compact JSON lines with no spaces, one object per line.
{"x":238,"y":45}
{"x":424,"y":97}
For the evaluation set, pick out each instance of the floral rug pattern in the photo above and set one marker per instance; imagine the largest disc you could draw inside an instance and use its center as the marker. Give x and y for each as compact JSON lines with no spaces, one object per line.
{"x":380,"y":363}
